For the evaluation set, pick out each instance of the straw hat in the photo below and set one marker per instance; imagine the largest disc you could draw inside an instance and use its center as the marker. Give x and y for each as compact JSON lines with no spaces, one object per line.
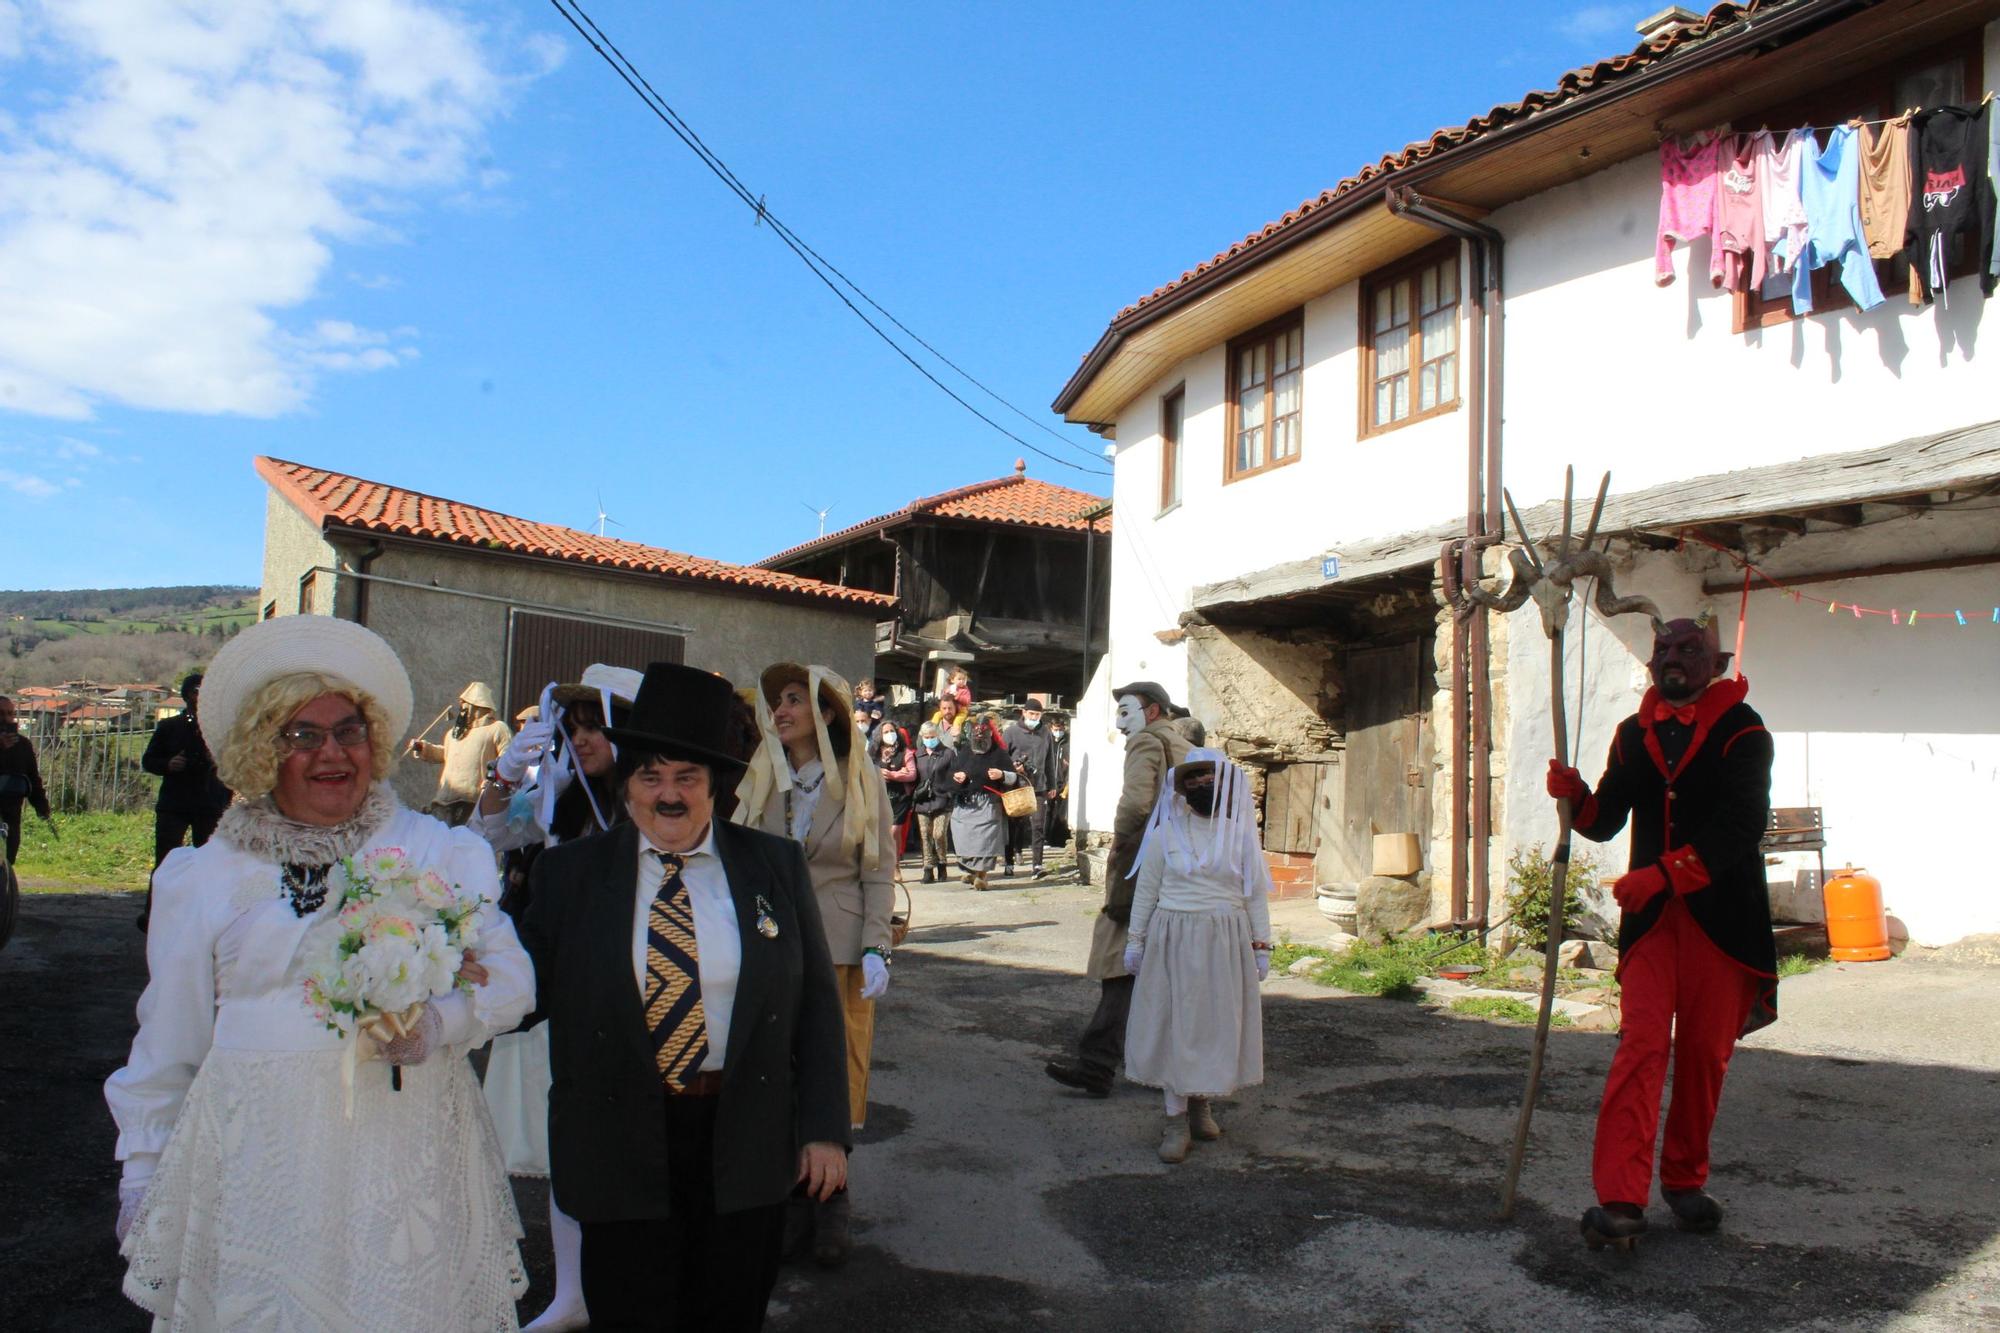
{"x":288,"y":645}
{"x":479,"y":695}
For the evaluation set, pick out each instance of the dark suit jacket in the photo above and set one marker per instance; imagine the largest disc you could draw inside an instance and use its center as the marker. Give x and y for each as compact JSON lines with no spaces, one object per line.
{"x":784,"y":1083}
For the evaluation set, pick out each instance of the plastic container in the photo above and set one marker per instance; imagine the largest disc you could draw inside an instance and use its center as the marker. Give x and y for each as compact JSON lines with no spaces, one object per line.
{"x":1857,"y":929}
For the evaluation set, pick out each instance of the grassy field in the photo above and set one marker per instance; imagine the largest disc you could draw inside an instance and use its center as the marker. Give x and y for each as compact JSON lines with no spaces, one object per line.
{"x":95,"y":851}
{"x":195,"y":622}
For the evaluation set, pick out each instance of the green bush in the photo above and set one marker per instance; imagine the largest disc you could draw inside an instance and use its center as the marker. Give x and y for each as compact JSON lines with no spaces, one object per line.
{"x":1528,"y":879}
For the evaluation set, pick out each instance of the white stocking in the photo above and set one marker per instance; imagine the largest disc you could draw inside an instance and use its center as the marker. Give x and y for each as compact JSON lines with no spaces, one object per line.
{"x":566,"y":1238}
{"x":1176,"y":1104}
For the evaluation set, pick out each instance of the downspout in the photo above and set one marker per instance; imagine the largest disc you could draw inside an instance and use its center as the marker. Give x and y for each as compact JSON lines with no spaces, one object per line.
{"x":360,"y":565}
{"x":1472,"y":664}
{"x":1089,"y":601}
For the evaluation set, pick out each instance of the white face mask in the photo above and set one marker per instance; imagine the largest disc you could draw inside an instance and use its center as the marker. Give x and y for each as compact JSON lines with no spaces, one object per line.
{"x":1131,"y":714}
{"x":1056,"y":733}
{"x":1031,"y":722}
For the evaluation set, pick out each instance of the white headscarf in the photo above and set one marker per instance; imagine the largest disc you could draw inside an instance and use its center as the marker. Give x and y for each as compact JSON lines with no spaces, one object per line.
{"x":1225,"y":841}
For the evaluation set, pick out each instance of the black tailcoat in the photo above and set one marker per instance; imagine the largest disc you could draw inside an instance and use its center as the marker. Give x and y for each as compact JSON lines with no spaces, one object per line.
{"x":1715,"y":799}
{"x":784,"y":1081}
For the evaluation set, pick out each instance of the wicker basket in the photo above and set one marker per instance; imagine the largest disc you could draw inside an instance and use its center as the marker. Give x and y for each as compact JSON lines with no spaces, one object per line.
{"x":899,"y":922}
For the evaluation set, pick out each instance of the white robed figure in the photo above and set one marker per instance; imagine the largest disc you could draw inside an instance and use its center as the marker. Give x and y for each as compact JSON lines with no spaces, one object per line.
{"x":1199,"y":945}
{"x":269,"y":1182}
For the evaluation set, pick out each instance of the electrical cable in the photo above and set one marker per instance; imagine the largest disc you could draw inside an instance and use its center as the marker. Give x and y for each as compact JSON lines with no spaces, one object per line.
{"x":818,"y":265}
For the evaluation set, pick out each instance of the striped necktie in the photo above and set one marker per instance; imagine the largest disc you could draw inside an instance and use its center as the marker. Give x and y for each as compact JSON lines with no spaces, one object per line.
{"x":674,"y":1013}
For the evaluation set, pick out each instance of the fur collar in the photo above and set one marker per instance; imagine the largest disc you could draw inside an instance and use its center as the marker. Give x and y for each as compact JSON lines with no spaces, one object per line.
{"x":256,"y":828}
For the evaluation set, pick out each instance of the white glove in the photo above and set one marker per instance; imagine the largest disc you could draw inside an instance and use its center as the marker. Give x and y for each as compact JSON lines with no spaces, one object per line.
{"x":420,"y":1041}
{"x":130,"y":1195}
{"x":874,"y":976}
{"x":1133,"y":953}
{"x":1263,"y":957}
{"x":524,"y":751}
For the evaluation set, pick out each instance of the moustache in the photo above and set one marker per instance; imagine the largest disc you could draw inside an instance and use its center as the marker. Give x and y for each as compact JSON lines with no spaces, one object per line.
{"x":670,"y":809}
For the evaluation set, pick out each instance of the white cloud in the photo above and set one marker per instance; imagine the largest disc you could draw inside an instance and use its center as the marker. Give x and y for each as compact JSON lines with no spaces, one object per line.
{"x":1597,"y":21}
{"x":21,"y":483}
{"x":71,"y":450}
{"x":185,"y":188}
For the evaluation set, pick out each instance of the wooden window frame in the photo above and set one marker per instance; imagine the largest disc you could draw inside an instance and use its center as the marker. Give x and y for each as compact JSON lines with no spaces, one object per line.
{"x":1173,"y":448}
{"x":1407,"y":268}
{"x":1832,"y":105}
{"x":1268,"y":332}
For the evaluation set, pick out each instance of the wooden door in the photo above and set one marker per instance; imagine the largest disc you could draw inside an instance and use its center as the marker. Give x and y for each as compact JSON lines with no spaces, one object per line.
{"x":1387,"y":766}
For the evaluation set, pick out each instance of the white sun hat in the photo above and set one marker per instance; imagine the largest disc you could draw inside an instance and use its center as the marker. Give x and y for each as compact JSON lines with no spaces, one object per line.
{"x":288,"y":645}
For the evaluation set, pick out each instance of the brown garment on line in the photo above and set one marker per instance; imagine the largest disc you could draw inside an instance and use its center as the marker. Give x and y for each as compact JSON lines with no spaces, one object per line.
{"x":1885,"y":193}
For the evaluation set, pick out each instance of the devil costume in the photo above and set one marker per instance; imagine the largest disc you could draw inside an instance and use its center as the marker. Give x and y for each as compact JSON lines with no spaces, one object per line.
{"x":1697,"y":960}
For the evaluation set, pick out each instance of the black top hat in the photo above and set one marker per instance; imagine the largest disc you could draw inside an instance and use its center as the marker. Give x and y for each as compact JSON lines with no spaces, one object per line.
{"x":683,"y":713}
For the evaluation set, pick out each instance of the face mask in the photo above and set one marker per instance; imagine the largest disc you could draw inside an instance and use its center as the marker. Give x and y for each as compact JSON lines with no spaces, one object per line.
{"x":1687,"y":655}
{"x":1201,"y":800}
{"x":930,"y":742}
{"x":1131,"y":714}
{"x":1031,"y":722}
{"x":1056,"y":733}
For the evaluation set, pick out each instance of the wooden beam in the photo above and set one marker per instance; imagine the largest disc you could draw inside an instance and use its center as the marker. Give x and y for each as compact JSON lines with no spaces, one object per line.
{"x":1722,"y":534}
{"x":1866,"y":572}
{"x":1844,"y":516}
{"x":1778,"y":522}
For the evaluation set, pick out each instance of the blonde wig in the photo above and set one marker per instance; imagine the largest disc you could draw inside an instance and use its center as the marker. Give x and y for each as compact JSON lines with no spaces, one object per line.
{"x":248,"y":764}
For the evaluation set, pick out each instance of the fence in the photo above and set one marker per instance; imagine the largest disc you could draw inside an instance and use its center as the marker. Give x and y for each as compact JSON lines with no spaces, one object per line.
{"x":96,"y":770}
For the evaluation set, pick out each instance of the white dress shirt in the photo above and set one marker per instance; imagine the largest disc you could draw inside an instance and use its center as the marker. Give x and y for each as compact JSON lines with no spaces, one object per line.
{"x":718,"y":945}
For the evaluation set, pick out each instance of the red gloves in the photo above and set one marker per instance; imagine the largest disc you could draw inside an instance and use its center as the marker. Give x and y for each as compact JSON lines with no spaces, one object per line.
{"x":1566,"y":784}
{"x":1639,"y":887}
{"x":1680,"y":869}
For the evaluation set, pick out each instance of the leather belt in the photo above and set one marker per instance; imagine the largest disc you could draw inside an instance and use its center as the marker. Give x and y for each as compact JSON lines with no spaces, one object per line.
{"x":705,"y":1083}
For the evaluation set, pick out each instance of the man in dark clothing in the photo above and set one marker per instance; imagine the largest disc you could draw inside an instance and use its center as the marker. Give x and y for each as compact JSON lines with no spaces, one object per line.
{"x":20,"y":778}
{"x":1034,"y":760}
{"x":1058,"y":821}
{"x":1697,"y":964}
{"x":192,"y":798}
{"x":934,"y":800}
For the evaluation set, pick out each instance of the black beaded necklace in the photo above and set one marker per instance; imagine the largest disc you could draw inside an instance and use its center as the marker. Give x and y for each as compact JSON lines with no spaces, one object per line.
{"x":306,"y":887}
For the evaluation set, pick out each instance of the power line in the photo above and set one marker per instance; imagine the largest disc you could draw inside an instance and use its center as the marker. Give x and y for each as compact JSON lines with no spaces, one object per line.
{"x":817,"y":264}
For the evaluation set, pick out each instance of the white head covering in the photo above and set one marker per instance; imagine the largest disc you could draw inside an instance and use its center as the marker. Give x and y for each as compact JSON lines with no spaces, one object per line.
{"x":610,"y":682}
{"x":1225,"y":841}
{"x":289,"y":645}
{"x":857,"y":782}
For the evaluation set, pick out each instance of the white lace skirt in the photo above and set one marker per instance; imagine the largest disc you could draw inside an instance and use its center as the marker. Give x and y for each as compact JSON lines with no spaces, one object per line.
{"x":272,"y":1210}
{"x":517,"y":1093}
{"x":1197,"y":1023}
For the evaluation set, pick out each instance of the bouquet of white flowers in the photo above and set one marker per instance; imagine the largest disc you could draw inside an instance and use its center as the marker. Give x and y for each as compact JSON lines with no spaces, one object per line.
{"x":403,"y":934}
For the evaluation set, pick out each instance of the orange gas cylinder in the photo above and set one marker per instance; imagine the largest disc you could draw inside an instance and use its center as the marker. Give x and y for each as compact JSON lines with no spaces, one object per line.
{"x":1857,"y":930}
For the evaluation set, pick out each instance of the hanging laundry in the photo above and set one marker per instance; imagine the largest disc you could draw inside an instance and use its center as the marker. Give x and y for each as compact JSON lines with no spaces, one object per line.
{"x":1951,"y":195}
{"x":1687,"y":198}
{"x":1831,"y":190}
{"x":1780,"y":171}
{"x":1885,"y":195}
{"x":1739,"y":214}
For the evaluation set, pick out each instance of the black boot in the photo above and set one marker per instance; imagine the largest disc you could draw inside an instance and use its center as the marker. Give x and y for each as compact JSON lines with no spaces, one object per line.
{"x":832,"y":1238}
{"x":1694,"y":1210}
{"x":927,"y":875}
{"x":1086,"y":1080}
{"x":798,"y":1229}
{"x":1618,"y":1225}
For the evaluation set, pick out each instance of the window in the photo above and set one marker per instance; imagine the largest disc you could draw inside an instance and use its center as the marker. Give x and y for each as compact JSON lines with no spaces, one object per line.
{"x":1265,"y":367}
{"x":1173,"y":415}
{"x":1937,"y":77}
{"x":308,"y":582}
{"x":1409,"y":340}
{"x":270,"y":610}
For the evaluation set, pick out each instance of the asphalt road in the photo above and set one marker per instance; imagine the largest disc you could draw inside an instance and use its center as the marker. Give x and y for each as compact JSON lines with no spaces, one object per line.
{"x":1856,"y":1153}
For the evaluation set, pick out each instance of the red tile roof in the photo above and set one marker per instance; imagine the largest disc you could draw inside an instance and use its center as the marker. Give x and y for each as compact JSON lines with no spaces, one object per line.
{"x":335,"y":500}
{"x":1016,"y":501}
{"x":1578,"y":81}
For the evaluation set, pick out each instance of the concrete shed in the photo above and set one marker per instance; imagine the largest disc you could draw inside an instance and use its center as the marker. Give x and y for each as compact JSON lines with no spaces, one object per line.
{"x":465,"y":593}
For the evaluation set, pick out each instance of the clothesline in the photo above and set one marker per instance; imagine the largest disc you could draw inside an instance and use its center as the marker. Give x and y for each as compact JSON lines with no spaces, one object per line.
{"x":1857,"y":122}
{"x":1894,"y":615}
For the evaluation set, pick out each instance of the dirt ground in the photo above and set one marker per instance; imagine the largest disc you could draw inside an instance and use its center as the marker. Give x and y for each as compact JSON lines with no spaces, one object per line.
{"x":1856,"y":1154}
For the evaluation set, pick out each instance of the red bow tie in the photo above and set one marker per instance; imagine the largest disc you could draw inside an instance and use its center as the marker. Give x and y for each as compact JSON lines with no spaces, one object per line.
{"x":1684,"y":715}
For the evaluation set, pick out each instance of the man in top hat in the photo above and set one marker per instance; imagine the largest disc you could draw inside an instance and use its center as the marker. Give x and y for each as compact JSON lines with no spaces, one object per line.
{"x":476,"y":739}
{"x":695,"y":1030}
{"x":1697,"y":964}
{"x":1154,"y":743}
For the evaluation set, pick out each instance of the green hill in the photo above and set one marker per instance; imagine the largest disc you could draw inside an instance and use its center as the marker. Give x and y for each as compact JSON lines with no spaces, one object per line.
{"x":116,"y":634}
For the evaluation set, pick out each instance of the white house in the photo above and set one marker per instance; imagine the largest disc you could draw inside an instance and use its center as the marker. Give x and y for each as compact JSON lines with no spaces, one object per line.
{"x":1311,"y":424}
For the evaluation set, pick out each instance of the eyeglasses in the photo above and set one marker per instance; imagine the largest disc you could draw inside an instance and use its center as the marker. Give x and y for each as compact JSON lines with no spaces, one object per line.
{"x":307,"y":739}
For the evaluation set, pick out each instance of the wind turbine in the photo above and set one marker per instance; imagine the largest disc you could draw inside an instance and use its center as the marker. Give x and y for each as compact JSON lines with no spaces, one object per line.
{"x":603,"y":518}
{"x":822,"y":516}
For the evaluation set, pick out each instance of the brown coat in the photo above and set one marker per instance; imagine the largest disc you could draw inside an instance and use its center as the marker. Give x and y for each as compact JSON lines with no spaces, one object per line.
{"x":854,"y":903}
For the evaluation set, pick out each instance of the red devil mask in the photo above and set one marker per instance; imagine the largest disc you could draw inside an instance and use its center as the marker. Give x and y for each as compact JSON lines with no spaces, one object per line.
{"x":1687,"y":655}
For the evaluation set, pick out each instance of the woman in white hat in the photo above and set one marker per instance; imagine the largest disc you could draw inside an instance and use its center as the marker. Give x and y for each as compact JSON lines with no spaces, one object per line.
{"x":1200,"y":942}
{"x":253,"y":1194}
{"x":811,"y":779}
{"x":556,"y":782}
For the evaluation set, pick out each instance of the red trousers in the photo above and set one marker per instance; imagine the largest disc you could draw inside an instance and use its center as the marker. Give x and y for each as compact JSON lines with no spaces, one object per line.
{"x":1683,"y":998}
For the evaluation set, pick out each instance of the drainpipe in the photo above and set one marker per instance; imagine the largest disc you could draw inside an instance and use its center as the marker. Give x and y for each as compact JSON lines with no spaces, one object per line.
{"x":1472,"y":664}
{"x":1089,"y":600}
{"x":361,"y":565}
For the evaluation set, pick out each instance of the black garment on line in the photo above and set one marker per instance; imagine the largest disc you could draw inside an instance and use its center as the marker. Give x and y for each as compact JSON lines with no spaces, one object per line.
{"x":1950,"y":195}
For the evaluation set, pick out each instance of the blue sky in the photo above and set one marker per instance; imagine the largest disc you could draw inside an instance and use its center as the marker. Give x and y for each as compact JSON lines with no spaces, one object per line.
{"x":444,"y":247}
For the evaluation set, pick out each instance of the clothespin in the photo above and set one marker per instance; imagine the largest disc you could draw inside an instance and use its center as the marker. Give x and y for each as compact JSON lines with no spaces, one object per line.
{"x":1895,"y":618}
{"x":1961,"y":617}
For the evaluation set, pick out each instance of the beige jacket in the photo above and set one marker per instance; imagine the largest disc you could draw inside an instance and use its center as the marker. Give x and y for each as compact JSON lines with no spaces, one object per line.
{"x":465,"y":759}
{"x":1148,"y":756}
{"x":854,"y":903}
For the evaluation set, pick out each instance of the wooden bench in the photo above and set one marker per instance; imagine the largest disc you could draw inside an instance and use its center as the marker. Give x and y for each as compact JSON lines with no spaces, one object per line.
{"x":1796,"y":828}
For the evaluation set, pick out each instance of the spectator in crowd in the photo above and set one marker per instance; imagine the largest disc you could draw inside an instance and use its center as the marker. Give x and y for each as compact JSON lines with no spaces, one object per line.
{"x":934,"y":799}
{"x":1058,"y":820}
{"x":20,"y":777}
{"x":891,"y":752}
{"x":868,"y":709}
{"x":950,"y":721}
{"x":191,"y":797}
{"x":959,"y":686}
{"x":980,"y":773}
{"x":476,"y":739}
{"x":1034,"y":761}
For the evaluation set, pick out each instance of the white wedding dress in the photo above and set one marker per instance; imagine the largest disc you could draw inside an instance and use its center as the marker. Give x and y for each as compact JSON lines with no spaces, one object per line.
{"x":271,"y":1207}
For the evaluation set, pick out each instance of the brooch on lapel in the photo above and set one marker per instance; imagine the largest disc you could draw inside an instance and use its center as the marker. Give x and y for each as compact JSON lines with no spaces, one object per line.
{"x":767,"y":926}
